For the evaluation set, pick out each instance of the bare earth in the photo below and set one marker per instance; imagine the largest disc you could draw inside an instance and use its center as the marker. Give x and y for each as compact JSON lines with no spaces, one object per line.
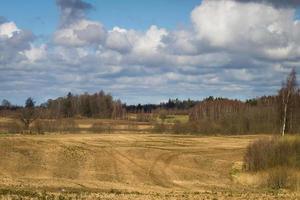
{"x":127,"y":166}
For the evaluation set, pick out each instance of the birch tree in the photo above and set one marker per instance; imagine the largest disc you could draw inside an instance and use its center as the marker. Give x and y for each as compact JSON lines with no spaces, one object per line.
{"x":286,"y":94}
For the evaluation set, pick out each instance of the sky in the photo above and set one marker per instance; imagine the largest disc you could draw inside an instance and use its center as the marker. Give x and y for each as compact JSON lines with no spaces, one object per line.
{"x":147,"y":51}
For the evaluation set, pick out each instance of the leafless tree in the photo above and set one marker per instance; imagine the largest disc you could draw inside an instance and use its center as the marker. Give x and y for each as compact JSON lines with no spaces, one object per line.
{"x":286,"y":94}
{"x":28,"y":113}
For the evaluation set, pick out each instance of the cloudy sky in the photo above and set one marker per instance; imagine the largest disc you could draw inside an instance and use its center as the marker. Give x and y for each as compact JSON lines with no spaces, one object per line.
{"x":147,"y":51}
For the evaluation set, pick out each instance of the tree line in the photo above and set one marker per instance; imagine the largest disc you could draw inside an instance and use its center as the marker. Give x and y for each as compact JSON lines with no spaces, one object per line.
{"x":267,"y":114}
{"x":97,"y":105}
{"x":174,"y":106}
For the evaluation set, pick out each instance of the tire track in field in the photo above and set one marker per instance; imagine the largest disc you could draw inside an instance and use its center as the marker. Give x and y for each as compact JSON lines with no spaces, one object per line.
{"x":69,"y":161}
{"x":163,"y":179}
{"x":129,"y":164}
{"x":94,"y":161}
{"x":97,"y":157}
{"x":139,"y":171}
{"x":164,"y":158}
{"x":116,"y":171}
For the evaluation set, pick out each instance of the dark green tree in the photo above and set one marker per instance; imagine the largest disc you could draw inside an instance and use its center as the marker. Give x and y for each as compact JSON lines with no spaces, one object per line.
{"x":5,"y":103}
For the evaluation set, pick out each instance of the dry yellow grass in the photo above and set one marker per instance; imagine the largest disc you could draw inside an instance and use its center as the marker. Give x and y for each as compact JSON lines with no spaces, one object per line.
{"x":86,"y":125}
{"x":122,"y":166}
{"x":4,"y":120}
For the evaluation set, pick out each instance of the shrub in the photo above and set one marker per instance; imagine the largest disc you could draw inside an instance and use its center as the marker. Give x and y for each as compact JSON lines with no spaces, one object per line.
{"x":15,"y":127}
{"x":294,"y":180}
{"x":269,"y":153}
{"x":144,"y":117}
{"x":58,"y":125}
{"x":278,"y":178}
{"x":42,"y":126}
{"x":38,"y":127}
{"x":163,"y":116}
{"x":179,"y":128}
{"x":283,"y":177}
{"x":68,"y":125}
{"x":132,"y":127}
{"x":194,"y":127}
{"x":159,"y":128}
{"x":100,"y":127}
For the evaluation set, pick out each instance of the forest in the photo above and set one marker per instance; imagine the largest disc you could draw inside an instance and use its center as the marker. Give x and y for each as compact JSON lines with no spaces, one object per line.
{"x":278,"y":113}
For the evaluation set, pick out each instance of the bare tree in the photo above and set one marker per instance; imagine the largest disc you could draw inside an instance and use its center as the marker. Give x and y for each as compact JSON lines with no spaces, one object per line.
{"x":28,"y":114}
{"x":286,"y":94}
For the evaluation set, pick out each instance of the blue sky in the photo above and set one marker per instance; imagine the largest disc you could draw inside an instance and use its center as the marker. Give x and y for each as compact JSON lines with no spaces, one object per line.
{"x":39,"y":16}
{"x":42,"y":17}
{"x":146,"y":51}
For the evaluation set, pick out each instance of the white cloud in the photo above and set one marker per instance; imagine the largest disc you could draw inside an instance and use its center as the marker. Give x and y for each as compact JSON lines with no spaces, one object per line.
{"x":253,"y":28}
{"x":119,"y":40}
{"x":231,"y":48}
{"x":80,"y":33}
{"x":8,"y":29}
{"x":239,"y":74}
{"x":181,"y":42}
{"x":36,"y":53}
{"x":13,"y":41}
{"x":217,"y":59}
{"x":151,"y":41}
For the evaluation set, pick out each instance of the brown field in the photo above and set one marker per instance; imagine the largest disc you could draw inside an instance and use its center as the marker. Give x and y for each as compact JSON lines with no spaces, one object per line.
{"x":127,"y":166}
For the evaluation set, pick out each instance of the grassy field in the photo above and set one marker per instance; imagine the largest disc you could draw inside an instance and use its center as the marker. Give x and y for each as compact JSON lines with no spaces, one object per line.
{"x":174,"y":118}
{"x":127,"y":166}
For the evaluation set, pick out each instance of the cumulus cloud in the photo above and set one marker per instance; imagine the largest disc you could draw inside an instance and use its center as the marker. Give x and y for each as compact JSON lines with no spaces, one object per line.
{"x":80,"y":33}
{"x":12,"y":42}
{"x":35,"y":53}
{"x":239,"y":74}
{"x":250,"y":28}
{"x":120,"y":40}
{"x":8,"y":29}
{"x":151,"y":41}
{"x":72,"y":11}
{"x":147,"y":47}
{"x":75,"y":29}
{"x":233,"y":48}
{"x":276,"y":3}
{"x":181,"y":42}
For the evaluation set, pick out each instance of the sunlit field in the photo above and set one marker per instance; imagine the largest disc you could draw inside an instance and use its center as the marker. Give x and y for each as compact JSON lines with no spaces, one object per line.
{"x":130,"y":164}
{"x":157,"y":99}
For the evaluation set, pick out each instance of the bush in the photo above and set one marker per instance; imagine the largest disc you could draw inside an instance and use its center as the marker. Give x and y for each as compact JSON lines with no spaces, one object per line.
{"x":159,"y":128}
{"x":279,"y":157}
{"x":58,"y":125}
{"x":38,"y":127}
{"x":269,"y":153}
{"x":294,"y":180}
{"x":163,"y":116}
{"x":278,"y":178}
{"x":68,"y":125}
{"x":144,"y":117}
{"x":179,"y":128}
{"x":132,"y":127}
{"x":15,"y":127}
{"x":194,"y":127}
{"x":100,"y":127}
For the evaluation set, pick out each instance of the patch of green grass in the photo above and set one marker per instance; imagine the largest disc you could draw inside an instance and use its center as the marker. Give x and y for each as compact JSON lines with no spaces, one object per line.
{"x":175,"y":118}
